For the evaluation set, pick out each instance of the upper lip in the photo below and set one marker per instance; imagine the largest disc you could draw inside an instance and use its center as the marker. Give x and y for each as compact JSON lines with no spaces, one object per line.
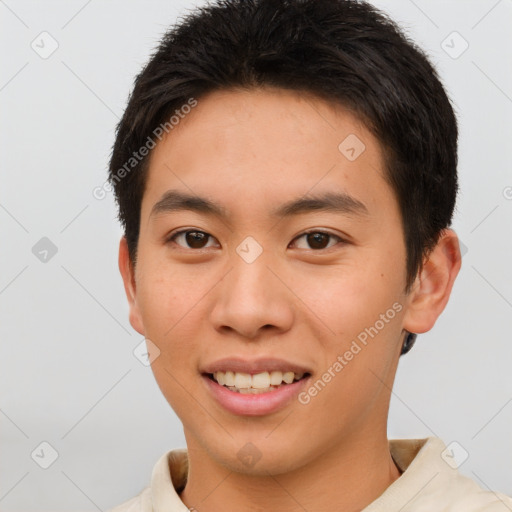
{"x":254,"y":366}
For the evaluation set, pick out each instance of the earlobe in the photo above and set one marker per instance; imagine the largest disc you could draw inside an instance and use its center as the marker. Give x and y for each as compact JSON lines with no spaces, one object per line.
{"x":433,"y":284}
{"x":128,"y":275}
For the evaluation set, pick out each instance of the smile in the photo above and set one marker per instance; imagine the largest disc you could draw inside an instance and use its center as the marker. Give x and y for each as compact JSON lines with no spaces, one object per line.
{"x":255,"y":401}
{"x":263,"y":382}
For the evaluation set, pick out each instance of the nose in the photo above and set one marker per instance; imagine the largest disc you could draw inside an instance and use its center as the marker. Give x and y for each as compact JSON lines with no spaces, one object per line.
{"x":253,"y":298}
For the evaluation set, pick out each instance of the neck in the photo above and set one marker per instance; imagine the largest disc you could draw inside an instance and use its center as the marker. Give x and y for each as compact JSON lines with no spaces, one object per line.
{"x":348,"y":477}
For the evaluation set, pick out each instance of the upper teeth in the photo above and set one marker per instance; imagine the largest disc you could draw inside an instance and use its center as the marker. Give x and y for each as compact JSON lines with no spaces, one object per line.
{"x":258,"y":381}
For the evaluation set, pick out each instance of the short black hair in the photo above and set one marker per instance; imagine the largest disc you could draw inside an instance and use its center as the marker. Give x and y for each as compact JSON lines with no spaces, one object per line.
{"x":343,"y":51}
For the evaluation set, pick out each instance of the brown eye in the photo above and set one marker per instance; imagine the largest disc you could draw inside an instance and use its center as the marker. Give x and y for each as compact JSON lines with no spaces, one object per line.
{"x":318,"y":240}
{"x":193,"y":239}
{"x":196,"y":239}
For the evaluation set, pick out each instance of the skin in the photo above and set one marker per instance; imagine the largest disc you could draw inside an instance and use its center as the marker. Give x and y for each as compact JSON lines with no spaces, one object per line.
{"x":251,"y":151}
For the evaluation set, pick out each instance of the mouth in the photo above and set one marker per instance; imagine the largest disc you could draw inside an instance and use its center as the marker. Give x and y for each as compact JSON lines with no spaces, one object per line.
{"x":255,"y":384}
{"x":255,"y":387}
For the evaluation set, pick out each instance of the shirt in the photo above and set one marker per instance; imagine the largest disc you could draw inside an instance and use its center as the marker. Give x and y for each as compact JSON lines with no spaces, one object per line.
{"x":430,"y":482}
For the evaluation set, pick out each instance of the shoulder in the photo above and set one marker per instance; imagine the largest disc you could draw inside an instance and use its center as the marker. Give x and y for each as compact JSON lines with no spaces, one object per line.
{"x":435,"y":474}
{"x":466,"y":495}
{"x":431,"y":481}
{"x":169,"y":474}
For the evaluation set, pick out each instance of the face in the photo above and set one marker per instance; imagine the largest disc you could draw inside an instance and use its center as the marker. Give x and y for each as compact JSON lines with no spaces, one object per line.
{"x":315,"y":289}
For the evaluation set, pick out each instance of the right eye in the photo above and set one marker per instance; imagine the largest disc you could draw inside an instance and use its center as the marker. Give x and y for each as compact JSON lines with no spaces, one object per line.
{"x":194,"y":238}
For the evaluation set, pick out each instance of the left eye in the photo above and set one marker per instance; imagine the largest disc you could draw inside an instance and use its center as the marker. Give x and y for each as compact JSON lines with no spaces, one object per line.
{"x":195,"y":239}
{"x":318,"y":239}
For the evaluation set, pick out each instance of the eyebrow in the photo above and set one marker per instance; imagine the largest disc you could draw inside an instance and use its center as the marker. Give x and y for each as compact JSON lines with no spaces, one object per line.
{"x":337,"y":202}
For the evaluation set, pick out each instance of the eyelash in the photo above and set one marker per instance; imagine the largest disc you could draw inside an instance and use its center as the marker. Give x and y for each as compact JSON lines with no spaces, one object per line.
{"x":173,"y":236}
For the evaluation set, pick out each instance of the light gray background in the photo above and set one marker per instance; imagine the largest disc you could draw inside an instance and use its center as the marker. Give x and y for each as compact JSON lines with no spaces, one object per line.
{"x":68,"y":374}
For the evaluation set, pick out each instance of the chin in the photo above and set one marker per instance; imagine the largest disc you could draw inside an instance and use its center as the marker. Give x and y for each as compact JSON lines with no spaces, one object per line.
{"x":258,"y":457}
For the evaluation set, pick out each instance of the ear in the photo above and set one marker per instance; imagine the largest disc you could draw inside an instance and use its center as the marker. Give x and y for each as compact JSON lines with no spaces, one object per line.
{"x":128,"y":275}
{"x":431,"y":289}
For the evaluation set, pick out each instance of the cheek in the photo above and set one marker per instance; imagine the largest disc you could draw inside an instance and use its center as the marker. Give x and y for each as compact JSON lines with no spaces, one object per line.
{"x":165,"y":294}
{"x":349,"y":297}
{"x":171,"y":300}
{"x":362,"y":306}
{"x":168,"y":304}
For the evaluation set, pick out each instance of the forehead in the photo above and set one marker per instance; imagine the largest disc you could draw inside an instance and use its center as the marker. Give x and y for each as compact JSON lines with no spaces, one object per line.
{"x":265,"y":146}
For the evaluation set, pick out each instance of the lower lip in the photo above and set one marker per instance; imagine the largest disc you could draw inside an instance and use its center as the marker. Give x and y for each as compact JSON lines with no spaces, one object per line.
{"x":255,"y":404}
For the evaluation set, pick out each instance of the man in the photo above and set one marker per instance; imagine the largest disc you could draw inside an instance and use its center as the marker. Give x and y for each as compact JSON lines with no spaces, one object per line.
{"x":286,"y":178}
